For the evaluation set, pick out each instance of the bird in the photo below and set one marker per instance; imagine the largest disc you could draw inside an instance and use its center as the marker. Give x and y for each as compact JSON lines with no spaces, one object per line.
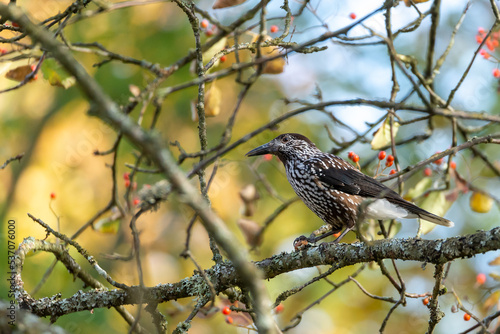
{"x":334,"y":189}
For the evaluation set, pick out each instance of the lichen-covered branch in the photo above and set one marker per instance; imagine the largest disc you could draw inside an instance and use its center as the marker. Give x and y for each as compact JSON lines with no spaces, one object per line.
{"x":225,"y":275}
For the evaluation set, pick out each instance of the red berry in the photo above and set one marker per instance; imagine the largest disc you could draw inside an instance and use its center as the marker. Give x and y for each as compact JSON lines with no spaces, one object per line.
{"x":33,"y":67}
{"x":229,"y":320}
{"x":352,"y":16}
{"x":438,"y":161}
{"x":204,"y":23}
{"x":127,"y":183}
{"x":496,"y":73}
{"x":453,"y":165}
{"x":279,"y":308}
{"x":427,"y":171}
{"x":336,"y":235}
{"x":126,"y":176}
{"x":390,"y":158}
{"x":226,"y":310}
{"x":274,"y":28}
{"x":52,"y":195}
{"x":466,"y":316}
{"x":350,"y":154}
{"x":485,"y":54}
{"x":426,"y":300}
{"x":481,"y":30}
{"x":388,"y":163}
{"x":481,"y":278}
{"x":209,"y":33}
{"x":136,"y":201}
{"x":381,"y":155}
{"x":3,"y":51}
{"x":223,"y":58}
{"x":393,"y":171}
{"x":268,"y":157}
{"x":355,"y":158}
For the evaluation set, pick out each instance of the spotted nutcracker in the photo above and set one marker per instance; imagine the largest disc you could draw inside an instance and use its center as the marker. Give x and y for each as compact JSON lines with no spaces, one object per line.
{"x":333,"y":189}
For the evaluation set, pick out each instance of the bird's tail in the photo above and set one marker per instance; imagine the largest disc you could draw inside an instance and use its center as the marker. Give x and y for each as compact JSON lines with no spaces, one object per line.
{"x":435,"y":219}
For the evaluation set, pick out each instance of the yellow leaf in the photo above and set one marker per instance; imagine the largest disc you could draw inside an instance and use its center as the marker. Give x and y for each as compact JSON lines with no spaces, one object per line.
{"x":216,"y":48}
{"x":56,"y":75}
{"x":480,"y":202}
{"x":382,"y":137}
{"x":213,"y":98}
{"x":486,"y":171}
{"x":422,"y":186}
{"x":492,"y":300}
{"x":437,"y":204}
{"x":108,"y":225}
{"x":274,"y":66}
{"x":495,"y":276}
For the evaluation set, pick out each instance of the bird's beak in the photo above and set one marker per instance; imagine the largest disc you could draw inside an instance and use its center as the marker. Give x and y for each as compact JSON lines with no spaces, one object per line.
{"x":261,"y":150}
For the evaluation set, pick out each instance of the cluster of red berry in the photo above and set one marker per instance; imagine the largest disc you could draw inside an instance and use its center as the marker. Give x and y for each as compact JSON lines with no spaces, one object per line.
{"x":353,"y":156}
{"x":388,"y":162}
{"x":209,"y":29}
{"x":492,"y":42}
{"x":126,"y":177}
{"x":480,"y":280}
{"x":438,"y":162}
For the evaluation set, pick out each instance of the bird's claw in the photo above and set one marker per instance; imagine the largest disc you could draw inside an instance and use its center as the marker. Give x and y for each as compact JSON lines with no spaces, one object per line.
{"x":302,"y":243}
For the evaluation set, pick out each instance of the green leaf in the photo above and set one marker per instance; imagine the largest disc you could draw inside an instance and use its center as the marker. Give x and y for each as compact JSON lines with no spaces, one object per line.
{"x":109,"y":225}
{"x":55,"y":75}
{"x":437,"y":204}
{"x":421,"y":187}
{"x":210,"y":53}
{"x":382,"y":137}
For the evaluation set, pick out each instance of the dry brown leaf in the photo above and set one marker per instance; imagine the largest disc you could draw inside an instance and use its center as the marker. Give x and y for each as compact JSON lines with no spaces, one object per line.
{"x":408,"y":2}
{"x":251,"y":231}
{"x":495,"y":262}
{"x":226,"y":3}
{"x":274,"y":66}
{"x":136,"y":91}
{"x":19,"y":73}
{"x":249,"y":196}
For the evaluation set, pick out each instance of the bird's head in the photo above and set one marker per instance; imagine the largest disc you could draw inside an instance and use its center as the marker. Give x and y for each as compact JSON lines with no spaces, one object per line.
{"x":286,"y":146}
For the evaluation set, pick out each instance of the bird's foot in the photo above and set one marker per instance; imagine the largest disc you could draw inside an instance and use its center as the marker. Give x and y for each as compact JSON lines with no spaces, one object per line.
{"x":302,"y":243}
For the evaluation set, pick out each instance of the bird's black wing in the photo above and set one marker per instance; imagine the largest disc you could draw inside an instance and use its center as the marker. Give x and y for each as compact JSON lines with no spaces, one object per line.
{"x":334,"y":173}
{"x":338,"y":174}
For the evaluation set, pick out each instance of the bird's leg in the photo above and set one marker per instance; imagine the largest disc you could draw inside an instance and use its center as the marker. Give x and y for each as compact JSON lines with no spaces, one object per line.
{"x":347,"y":229}
{"x":321,"y":231}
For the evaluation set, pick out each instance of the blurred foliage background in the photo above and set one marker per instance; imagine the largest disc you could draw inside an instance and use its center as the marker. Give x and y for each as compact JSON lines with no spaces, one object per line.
{"x":51,"y":126}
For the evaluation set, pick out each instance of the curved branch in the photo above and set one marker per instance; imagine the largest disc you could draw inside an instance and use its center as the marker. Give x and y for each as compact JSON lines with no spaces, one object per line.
{"x":225,"y":275}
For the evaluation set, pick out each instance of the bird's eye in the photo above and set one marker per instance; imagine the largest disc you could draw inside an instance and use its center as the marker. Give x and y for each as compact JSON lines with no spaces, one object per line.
{"x":285,"y":139}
